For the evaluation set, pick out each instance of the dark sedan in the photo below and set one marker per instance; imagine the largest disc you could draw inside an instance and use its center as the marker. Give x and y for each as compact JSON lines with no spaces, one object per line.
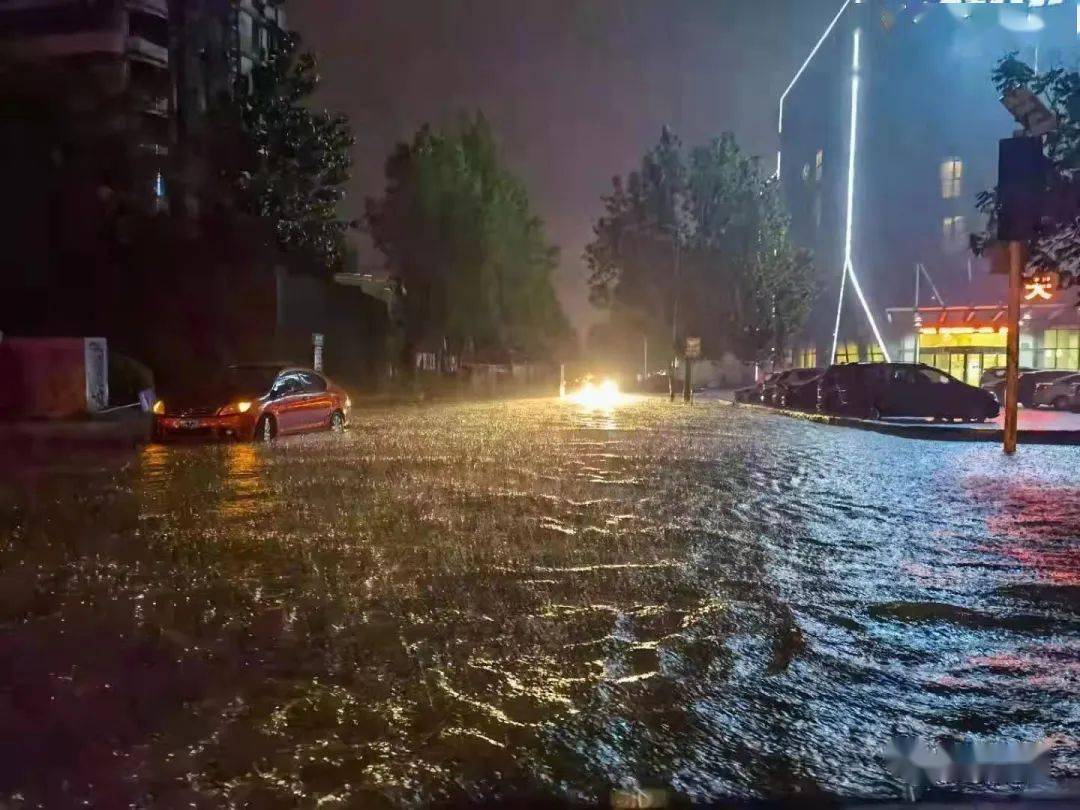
{"x":797,"y":388}
{"x":878,"y":390}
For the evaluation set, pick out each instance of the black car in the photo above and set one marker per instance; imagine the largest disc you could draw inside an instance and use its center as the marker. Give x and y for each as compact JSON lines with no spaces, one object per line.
{"x":993,"y":380}
{"x":753,"y":393}
{"x":877,"y":390}
{"x":800,"y":390}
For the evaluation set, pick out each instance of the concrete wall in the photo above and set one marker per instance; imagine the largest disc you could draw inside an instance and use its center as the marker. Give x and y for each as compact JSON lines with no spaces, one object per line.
{"x":52,"y":378}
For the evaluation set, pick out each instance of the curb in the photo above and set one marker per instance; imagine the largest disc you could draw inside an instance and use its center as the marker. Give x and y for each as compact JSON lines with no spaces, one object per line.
{"x":939,"y":433}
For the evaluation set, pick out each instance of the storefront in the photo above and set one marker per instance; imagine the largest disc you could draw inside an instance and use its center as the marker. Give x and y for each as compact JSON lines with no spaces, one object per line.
{"x":965,"y":341}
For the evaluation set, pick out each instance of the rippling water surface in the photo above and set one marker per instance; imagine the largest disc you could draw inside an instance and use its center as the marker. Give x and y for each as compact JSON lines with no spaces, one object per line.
{"x":474,"y":599}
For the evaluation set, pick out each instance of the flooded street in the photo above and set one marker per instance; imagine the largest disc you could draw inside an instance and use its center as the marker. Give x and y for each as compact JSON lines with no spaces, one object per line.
{"x":471,"y":600}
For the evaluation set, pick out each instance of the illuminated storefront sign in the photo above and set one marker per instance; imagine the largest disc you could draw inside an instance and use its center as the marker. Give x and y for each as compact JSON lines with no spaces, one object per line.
{"x":1040,"y":288}
{"x":1031,"y":3}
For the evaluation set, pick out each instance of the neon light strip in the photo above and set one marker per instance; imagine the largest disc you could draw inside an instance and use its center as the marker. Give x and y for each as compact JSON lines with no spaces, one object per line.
{"x":849,"y":231}
{"x":801,"y":71}
{"x":839,"y":308}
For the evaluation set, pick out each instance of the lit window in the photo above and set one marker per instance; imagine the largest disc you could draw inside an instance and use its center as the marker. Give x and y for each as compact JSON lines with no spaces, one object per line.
{"x":847,"y":353}
{"x":1061,"y":349}
{"x":953,"y":232}
{"x":952,"y":178}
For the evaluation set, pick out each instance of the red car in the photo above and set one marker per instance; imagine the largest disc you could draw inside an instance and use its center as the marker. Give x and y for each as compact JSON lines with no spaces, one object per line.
{"x":254,"y":402}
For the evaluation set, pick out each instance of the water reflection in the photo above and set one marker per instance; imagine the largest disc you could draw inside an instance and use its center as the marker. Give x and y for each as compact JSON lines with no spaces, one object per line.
{"x":456,"y":599}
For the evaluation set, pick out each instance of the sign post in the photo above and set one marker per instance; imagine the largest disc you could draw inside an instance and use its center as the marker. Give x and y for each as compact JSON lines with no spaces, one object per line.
{"x":1022,"y":175}
{"x":317,"y":342}
{"x":692,"y":353}
{"x":1012,"y":346}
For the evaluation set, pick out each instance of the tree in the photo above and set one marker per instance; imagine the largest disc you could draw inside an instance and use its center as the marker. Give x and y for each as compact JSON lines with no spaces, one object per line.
{"x":297,"y":159}
{"x":1058,"y":247}
{"x":458,"y":229}
{"x":701,"y":247}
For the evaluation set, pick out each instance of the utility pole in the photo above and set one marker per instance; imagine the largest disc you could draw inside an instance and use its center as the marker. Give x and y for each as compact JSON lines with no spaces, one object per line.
{"x":675,"y":316}
{"x":1012,"y":346}
{"x":1022,"y":180}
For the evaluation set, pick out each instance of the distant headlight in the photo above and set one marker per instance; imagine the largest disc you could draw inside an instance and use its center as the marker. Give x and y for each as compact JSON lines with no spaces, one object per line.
{"x":235,"y":408}
{"x":159,"y":408}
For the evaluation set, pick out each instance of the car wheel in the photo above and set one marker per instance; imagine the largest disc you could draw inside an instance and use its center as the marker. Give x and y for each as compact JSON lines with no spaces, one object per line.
{"x":875,"y":413}
{"x":266,"y":429}
{"x":337,"y":422}
{"x":1061,"y":404}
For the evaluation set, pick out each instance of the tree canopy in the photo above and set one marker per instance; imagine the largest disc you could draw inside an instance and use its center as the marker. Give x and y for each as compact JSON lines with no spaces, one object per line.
{"x":699,"y":245}
{"x":1058,"y":247}
{"x":298,"y":159}
{"x":458,"y":228}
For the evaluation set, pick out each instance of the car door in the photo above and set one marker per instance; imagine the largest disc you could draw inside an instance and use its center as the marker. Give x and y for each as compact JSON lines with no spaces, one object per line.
{"x":316,"y":402}
{"x":287,"y":402}
{"x":939,"y":395}
{"x":897,"y":397}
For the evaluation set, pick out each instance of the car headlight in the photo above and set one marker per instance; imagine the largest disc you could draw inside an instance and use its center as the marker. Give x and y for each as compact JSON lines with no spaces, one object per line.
{"x":159,"y":408}
{"x":235,"y":408}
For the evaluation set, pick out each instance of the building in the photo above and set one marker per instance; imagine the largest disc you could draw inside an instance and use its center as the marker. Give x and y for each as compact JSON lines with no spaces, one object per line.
{"x":888,"y":132}
{"x":147,"y":69}
{"x":107,"y":222}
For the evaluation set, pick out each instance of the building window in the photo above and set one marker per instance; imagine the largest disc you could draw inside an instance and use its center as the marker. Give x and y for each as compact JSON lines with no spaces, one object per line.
{"x":847,"y":352}
{"x":807,"y":358}
{"x":1061,"y":349}
{"x":874,"y":353}
{"x":819,"y":165}
{"x":952,"y":178}
{"x":150,"y":27}
{"x":953,"y":232}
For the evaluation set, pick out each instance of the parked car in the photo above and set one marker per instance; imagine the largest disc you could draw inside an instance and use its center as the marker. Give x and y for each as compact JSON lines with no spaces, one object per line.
{"x":1061,"y":394}
{"x":253,"y":402}
{"x":791,"y":379}
{"x":771,"y":385}
{"x":1031,"y":379}
{"x":800,"y":390}
{"x":877,"y":390}
{"x":753,"y":393}
{"x":993,"y":380}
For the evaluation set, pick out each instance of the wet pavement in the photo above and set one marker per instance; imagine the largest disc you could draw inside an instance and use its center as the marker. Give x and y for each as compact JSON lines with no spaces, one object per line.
{"x":472,"y":600}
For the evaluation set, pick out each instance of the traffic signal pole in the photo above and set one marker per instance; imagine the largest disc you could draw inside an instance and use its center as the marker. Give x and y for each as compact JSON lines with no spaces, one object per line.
{"x":1012,"y":346}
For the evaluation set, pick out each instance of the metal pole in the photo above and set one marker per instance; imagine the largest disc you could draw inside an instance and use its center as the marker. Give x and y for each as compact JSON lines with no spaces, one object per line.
{"x":915,"y":314}
{"x":675,"y":320}
{"x":687,"y":391}
{"x":645,"y":361}
{"x":1012,"y":363}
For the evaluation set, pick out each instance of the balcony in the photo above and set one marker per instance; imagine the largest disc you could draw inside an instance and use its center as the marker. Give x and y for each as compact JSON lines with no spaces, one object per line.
{"x":144,"y":49}
{"x":156,"y":7}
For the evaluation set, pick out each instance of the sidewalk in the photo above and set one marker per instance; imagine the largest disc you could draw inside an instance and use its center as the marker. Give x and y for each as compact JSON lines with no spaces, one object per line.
{"x":35,"y":435}
{"x":1035,"y":426}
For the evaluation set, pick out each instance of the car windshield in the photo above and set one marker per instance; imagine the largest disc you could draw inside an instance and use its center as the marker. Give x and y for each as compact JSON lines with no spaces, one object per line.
{"x":251,"y":380}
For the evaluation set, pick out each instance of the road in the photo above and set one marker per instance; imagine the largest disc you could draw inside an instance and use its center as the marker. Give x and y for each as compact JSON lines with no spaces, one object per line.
{"x":476,"y":599}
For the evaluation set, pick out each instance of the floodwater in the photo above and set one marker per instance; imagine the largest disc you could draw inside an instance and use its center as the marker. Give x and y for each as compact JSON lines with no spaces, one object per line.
{"x":478,"y":600}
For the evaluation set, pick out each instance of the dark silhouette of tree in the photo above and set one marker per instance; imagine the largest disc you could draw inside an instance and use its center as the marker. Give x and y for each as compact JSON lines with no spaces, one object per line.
{"x":458,"y":229}
{"x":701,"y":247}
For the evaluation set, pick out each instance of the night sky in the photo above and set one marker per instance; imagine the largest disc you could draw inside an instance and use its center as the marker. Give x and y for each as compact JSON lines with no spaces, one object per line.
{"x":575,"y":90}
